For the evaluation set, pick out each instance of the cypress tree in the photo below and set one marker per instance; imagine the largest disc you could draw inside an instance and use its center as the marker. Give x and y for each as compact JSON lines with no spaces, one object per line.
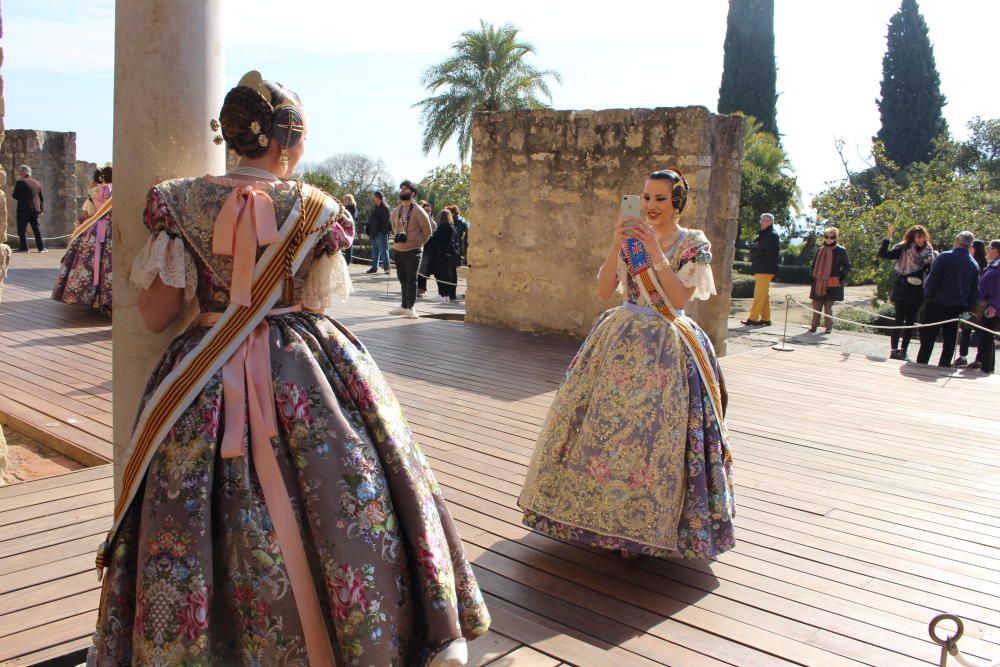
{"x":911,"y":89}
{"x":749,"y":74}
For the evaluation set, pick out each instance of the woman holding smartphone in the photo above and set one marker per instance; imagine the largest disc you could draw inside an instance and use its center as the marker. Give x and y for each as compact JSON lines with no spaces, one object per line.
{"x":634,"y":454}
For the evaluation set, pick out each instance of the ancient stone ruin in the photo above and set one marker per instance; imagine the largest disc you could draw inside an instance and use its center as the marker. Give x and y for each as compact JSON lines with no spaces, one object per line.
{"x":52,"y":158}
{"x":546,"y":189}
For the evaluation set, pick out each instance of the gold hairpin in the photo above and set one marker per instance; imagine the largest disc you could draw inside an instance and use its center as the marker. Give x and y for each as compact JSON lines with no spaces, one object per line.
{"x":253,"y":79}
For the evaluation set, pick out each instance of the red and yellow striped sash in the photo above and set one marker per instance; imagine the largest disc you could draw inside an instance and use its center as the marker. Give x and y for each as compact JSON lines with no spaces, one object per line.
{"x":104,"y":209}
{"x":640,"y":269}
{"x":181,"y":386}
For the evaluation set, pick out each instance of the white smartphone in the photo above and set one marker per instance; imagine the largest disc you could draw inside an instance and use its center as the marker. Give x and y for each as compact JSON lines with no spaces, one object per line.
{"x":631,"y":208}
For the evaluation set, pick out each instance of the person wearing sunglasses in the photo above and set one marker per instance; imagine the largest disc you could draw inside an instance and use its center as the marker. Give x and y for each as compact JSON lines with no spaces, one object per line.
{"x":829,"y":274}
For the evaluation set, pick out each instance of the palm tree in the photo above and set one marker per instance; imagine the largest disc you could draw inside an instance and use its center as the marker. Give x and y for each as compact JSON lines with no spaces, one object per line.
{"x":487,"y":72}
{"x":768,"y":182}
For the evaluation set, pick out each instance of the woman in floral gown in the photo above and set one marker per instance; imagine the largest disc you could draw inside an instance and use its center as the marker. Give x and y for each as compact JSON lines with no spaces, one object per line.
{"x":85,"y":273}
{"x":198,"y":570}
{"x":634,"y":454}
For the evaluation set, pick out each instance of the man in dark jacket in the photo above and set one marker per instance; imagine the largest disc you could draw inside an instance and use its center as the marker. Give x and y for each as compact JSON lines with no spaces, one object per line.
{"x":378,"y":228}
{"x":30,"y":205}
{"x":950,"y":290}
{"x":764,"y":264}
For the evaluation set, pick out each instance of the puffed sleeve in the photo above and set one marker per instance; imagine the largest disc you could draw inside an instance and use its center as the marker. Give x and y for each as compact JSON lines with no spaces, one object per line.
{"x":695,"y":268}
{"x":328,"y":280}
{"x":164,"y":253}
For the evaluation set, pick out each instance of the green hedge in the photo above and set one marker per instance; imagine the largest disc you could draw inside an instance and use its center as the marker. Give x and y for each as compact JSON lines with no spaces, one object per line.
{"x":859,"y":318}
{"x":743,"y":287}
{"x":742,"y":268}
{"x":801,"y":275}
{"x":742,"y":255}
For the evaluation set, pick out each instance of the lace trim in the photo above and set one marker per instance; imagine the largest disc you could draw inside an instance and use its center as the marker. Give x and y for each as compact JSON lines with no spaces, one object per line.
{"x":168,"y":258}
{"x":328,"y":280}
{"x":699,"y":276}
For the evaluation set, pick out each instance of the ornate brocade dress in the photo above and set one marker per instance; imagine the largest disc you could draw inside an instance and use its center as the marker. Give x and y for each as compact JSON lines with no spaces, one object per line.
{"x":196,"y":573}
{"x":85,"y":270}
{"x":631,"y":457}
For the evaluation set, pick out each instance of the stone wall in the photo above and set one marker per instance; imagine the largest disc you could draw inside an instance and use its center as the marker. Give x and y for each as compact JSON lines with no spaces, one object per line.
{"x":52,"y":158}
{"x":546,"y":188}
{"x":84,"y":177}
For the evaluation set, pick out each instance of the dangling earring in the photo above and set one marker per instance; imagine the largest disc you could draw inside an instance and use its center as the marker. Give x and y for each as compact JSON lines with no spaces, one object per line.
{"x":283,"y":161}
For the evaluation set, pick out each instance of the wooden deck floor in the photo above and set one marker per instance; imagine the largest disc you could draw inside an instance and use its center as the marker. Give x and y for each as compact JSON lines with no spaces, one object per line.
{"x":868,"y":502}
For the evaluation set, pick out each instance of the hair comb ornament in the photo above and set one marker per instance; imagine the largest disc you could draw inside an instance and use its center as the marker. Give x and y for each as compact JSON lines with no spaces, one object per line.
{"x":254,"y":80}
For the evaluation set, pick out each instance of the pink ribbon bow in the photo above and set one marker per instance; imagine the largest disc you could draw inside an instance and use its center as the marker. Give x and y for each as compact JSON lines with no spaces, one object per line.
{"x":245,"y":222}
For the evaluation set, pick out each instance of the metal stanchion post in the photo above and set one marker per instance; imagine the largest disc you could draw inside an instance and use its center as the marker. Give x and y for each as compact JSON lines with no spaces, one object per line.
{"x":784,"y":346}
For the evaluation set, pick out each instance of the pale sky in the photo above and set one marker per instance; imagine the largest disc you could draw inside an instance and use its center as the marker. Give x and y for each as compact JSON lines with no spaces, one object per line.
{"x":357,"y":68}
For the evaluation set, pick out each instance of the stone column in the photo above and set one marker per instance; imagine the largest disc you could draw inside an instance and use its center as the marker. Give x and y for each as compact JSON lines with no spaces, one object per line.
{"x":168,"y":86}
{"x":4,"y":248}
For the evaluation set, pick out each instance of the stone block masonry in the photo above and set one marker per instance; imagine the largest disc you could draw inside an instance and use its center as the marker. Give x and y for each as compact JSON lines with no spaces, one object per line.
{"x":52,"y":158}
{"x":546,"y":188}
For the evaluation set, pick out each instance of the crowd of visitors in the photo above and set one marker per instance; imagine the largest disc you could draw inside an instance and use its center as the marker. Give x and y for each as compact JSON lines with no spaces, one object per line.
{"x":423,"y":245}
{"x":934,"y":293}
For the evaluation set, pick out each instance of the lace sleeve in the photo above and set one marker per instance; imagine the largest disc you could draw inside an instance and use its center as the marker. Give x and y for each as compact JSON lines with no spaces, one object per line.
{"x":340,"y":236}
{"x":167,"y":258}
{"x":695,"y":268}
{"x":328,"y":280}
{"x":164,"y":254}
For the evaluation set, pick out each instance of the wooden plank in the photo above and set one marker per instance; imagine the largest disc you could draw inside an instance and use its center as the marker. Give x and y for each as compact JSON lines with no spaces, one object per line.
{"x":525,"y":657}
{"x":489,"y":647}
{"x":67,"y":479}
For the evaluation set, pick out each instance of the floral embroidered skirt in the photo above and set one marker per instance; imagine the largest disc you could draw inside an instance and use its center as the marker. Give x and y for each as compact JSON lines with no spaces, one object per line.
{"x":76,"y":283}
{"x":631,"y":456}
{"x":196,"y":574}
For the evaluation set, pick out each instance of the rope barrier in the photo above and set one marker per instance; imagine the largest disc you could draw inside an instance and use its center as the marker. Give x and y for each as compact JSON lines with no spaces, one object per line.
{"x":435,"y":279}
{"x":924,"y":325}
{"x":54,"y":238}
{"x":949,"y":644}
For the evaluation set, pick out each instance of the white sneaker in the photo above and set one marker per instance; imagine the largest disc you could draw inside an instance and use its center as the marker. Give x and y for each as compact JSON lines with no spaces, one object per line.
{"x":443,"y":299}
{"x":411,"y":314}
{"x":399,"y":311}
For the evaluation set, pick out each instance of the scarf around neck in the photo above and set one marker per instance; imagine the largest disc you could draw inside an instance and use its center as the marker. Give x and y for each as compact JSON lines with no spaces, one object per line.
{"x":822,"y":269}
{"x":911,"y":259}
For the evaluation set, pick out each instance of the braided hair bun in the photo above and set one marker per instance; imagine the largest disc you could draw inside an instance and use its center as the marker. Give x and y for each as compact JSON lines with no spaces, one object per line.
{"x":250,"y":122}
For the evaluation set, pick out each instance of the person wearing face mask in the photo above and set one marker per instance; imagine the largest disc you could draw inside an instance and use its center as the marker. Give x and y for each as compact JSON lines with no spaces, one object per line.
{"x":411,"y":228}
{"x":829,"y":275}
{"x":634,"y":455}
{"x":913,"y":262}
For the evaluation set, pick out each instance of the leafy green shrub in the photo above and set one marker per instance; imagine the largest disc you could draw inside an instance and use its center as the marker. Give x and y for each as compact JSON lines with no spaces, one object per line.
{"x":791,"y":258}
{"x":859,"y":318}
{"x":743,"y":287}
{"x":742,"y":268}
{"x":742,"y":255}
{"x":801,"y":275}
